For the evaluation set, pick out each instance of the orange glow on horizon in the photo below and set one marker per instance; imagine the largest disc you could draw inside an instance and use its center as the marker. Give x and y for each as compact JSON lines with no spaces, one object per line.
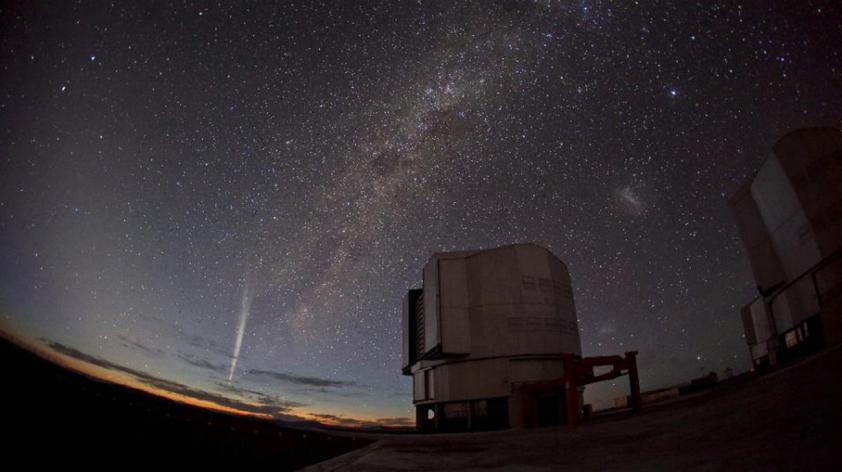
{"x":125,"y":379}
{"x":130,"y":381}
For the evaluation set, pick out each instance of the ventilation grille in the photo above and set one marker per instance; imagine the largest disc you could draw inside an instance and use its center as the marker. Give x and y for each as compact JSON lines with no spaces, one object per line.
{"x":419,"y":327}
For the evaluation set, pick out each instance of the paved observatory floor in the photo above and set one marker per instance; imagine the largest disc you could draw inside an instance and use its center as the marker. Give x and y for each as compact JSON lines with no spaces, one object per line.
{"x":788,"y":420}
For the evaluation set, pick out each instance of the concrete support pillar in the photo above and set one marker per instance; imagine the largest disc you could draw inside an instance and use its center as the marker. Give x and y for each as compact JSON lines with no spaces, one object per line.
{"x":518,"y":409}
{"x":470,"y":405}
{"x":571,"y":398}
{"x":420,"y":417}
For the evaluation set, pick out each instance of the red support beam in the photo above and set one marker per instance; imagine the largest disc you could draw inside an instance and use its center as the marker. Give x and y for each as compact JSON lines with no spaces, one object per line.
{"x":634,"y":380}
{"x":578,"y":372}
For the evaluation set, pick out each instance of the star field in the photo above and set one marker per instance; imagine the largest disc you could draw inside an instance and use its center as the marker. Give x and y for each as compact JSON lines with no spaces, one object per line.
{"x":173,"y":174}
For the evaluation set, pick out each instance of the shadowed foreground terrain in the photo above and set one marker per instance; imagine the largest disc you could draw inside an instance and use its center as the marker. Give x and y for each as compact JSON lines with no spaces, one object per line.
{"x":51,"y":412}
{"x":790,"y":419}
{"x":786,"y":420}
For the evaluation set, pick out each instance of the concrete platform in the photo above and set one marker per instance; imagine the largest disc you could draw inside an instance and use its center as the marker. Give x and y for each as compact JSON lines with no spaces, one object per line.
{"x":790,"y":419}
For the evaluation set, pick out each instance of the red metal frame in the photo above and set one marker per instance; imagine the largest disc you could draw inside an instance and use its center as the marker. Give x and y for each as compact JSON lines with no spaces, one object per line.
{"x":578,"y":372}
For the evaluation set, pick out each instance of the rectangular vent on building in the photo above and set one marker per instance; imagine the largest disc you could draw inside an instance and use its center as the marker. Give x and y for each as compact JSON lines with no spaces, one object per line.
{"x":419,"y":326}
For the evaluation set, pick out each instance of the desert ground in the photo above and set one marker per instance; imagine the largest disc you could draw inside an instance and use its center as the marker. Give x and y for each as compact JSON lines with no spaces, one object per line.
{"x":789,"y":419}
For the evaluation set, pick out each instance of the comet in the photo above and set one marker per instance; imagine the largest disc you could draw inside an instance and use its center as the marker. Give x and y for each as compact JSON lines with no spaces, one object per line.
{"x":245,"y":309}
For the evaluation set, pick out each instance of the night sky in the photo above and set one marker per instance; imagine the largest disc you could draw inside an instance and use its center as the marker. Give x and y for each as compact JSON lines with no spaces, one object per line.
{"x":174,"y":175}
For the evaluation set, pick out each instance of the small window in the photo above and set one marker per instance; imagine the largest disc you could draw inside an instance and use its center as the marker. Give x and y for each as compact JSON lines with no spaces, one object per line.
{"x":791,"y":339}
{"x":455,"y":410}
{"x":479,"y":408}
